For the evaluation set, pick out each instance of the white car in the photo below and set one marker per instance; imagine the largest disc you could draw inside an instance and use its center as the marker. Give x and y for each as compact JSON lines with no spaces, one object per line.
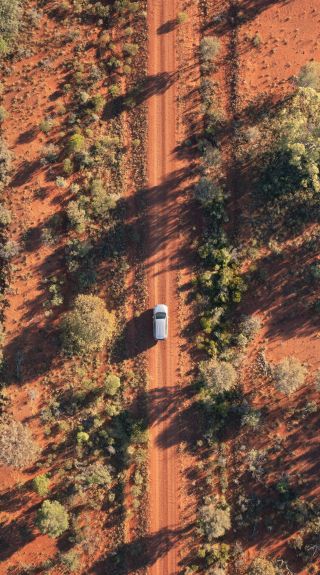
{"x":160,"y":321}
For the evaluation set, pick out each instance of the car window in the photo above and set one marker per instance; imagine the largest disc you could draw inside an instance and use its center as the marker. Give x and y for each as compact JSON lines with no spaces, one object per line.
{"x":160,"y":315}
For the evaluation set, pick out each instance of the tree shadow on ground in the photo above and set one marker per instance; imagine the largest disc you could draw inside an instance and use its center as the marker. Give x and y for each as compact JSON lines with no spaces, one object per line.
{"x":141,"y":553}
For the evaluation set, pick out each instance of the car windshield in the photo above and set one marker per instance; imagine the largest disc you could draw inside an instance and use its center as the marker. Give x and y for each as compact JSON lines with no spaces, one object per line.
{"x":160,"y":315}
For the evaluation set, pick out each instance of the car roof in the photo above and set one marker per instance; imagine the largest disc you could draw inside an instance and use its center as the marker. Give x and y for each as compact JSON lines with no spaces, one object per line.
{"x":160,"y":307}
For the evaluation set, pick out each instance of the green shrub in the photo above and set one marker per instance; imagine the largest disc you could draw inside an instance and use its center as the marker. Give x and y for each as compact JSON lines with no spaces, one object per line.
{"x":88,"y":326}
{"x":41,"y":485}
{"x":219,"y":376}
{"x":17,"y":448}
{"x":68,"y":167}
{"x":52,"y":518}
{"x":130,"y":49}
{"x":97,"y":103}
{"x":261,"y":567}
{"x":76,"y":216}
{"x":9,"y":250}
{"x":256,"y":41}
{"x":182,"y":18}
{"x":214,"y":519}
{"x":70,"y":561}
{"x":46,"y":125}
{"x":209,"y":49}
{"x":82,"y":437}
{"x":76,"y":143}
{"x":61,"y":182}
{"x":289,"y":171}
{"x":10,"y":14}
{"x":112,"y":384}
{"x":3,"y":114}
{"x":4,"y":48}
{"x":309,"y":76}
{"x":289,"y":375}
{"x":102,"y":200}
{"x":5,"y":216}
{"x":114,"y":90}
{"x":251,"y":419}
{"x":249,"y":327}
{"x":207,"y":192}
{"x":5,"y":162}
{"x":96,"y":474}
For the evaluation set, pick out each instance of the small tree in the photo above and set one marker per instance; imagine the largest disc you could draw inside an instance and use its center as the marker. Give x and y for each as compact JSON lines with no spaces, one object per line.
{"x":76,"y":143}
{"x":261,"y":567}
{"x":309,"y":76}
{"x":41,"y":484}
{"x":214,"y":519}
{"x":289,"y":375}
{"x":52,"y":518}
{"x":88,"y":326}
{"x":112,"y":384}
{"x":17,"y":448}
{"x":220,"y":376}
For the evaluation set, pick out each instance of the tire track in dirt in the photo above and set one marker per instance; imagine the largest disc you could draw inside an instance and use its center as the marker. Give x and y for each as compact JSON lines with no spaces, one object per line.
{"x":162,"y":267}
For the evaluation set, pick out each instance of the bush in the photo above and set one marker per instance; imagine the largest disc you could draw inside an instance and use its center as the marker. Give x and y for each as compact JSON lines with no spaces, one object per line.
{"x":46,"y":125}
{"x":5,"y":216}
{"x":68,"y":167}
{"x":17,"y":448}
{"x":182,"y":18}
{"x":5,"y":162}
{"x":209,"y":49}
{"x":251,"y":418}
{"x":9,"y":250}
{"x":70,"y":561}
{"x":249,"y":326}
{"x":261,"y":567}
{"x":112,"y":384}
{"x":3,"y":114}
{"x":76,"y":143}
{"x":88,"y":326}
{"x":114,"y":90}
{"x":102,"y":201}
{"x":10,"y":13}
{"x":52,"y":518}
{"x":289,"y":375}
{"x":41,"y":485}
{"x":219,"y":376}
{"x":76,"y":216}
{"x":309,"y":76}
{"x":130,"y":49}
{"x":207,"y":192}
{"x":96,"y":474}
{"x":214,"y":519}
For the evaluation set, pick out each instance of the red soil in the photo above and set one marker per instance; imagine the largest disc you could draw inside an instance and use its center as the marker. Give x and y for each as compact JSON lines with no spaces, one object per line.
{"x":167,"y":268}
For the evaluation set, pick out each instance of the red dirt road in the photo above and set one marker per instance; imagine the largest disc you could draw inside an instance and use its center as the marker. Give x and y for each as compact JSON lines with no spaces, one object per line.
{"x":162,"y":270}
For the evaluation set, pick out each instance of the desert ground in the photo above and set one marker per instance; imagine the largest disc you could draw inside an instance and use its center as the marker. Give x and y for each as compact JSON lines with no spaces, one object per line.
{"x":159,"y":151}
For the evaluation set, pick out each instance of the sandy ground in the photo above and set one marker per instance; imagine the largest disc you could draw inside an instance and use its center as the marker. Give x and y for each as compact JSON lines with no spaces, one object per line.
{"x":167,"y":253}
